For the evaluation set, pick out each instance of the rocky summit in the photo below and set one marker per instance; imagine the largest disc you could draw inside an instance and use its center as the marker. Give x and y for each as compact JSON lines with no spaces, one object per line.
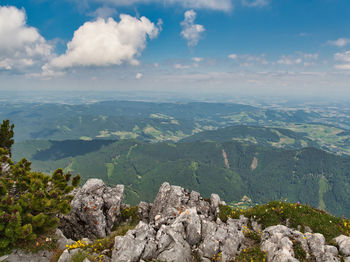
{"x":179,"y":226}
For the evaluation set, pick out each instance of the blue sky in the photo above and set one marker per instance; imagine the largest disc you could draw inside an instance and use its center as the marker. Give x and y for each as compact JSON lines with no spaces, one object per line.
{"x":228,"y":46}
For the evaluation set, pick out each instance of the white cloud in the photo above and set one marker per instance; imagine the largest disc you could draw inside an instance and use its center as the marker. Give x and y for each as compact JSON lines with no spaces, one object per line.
{"x":233,"y":56}
{"x":139,"y":76}
{"x":285,"y":60}
{"x":107,"y":42}
{"x":249,"y":60}
{"x":191,"y":31}
{"x":21,"y":46}
{"x":341,"y":42}
{"x":219,"y":5}
{"x":255,"y":3}
{"x":307,"y":59}
{"x":197,"y":59}
{"x":180,"y":66}
{"x":344,"y":58}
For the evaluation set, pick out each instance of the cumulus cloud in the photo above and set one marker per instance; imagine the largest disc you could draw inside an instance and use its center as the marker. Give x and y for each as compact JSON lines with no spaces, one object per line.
{"x":341,"y":42}
{"x":191,"y":31}
{"x":21,"y":46}
{"x":256,"y":3}
{"x":107,"y":42}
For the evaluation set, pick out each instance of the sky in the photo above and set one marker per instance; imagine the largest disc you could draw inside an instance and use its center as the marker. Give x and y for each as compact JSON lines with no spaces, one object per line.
{"x":234,"y":47}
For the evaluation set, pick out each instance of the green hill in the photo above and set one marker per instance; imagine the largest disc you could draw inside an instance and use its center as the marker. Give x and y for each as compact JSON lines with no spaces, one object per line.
{"x":232,"y":169}
{"x":264,"y":136}
{"x":158,"y":122}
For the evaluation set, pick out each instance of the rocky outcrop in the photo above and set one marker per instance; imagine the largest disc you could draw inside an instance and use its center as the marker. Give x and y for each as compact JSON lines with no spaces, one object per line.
{"x":278,"y":241}
{"x":95,"y":208}
{"x":179,"y":225}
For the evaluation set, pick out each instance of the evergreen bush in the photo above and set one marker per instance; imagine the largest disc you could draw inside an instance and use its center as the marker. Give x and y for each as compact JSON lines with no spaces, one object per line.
{"x":29,"y":201}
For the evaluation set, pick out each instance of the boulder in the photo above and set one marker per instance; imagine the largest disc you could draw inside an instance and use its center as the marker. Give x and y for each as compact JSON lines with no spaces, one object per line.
{"x":344,"y":244}
{"x":95,"y":208}
{"x":171,"y":201}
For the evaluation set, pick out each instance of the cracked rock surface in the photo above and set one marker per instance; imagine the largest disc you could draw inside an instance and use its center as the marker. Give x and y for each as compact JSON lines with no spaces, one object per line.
{"x":95,"y":208}
{"x":178,"y":225}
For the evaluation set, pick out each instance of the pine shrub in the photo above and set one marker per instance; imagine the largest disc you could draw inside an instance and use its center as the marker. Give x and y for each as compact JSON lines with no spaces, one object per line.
{"x":30,"y":201}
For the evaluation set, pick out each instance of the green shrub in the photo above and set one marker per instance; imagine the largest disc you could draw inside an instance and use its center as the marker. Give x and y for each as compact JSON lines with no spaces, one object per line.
{"x":6,"y":135}
{"x":30,"y":201}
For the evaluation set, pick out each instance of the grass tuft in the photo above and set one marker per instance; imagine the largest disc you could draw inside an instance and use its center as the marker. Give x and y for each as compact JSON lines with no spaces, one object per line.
{"x":293,"y":215}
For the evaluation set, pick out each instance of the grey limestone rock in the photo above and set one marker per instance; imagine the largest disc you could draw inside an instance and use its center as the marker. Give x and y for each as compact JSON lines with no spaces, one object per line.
{"x":132,"y":245}
{"x":180,"y":223}
{"x":344,"y":244}
{"x":277,"y":241}
{"x":143,"y":211}
{"x":21,"y":256}
{"x":95,"y":208}
{"x":62,"y":241}
{"x":68,"y":255}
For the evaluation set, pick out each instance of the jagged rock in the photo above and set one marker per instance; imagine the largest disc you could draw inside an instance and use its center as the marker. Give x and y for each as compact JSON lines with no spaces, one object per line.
{"x":131,"y":246}
{"x":277,"y":242}
{"x":21,"y":256}
{"x":346,"y":259}
{"x":172,"y":244}
{"x":62,"y":241}
{"x":169,"y":201}
{"x":227,"y":238}
{"x":277,"y":245}
{"x":214,"y":203}
{"x":180,"y":223}
{"x":68,"y":255}
{"x":95,"y":208}
{"x":344,"y":244}
{"x":143,"y":211}
{"x":173,"y":200}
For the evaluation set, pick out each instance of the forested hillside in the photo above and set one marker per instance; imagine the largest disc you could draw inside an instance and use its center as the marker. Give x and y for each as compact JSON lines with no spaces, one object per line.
{"x":233,"y":169}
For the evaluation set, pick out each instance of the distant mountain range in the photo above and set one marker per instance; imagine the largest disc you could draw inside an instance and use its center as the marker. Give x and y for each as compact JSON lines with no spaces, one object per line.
{"x":158,"y":122}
